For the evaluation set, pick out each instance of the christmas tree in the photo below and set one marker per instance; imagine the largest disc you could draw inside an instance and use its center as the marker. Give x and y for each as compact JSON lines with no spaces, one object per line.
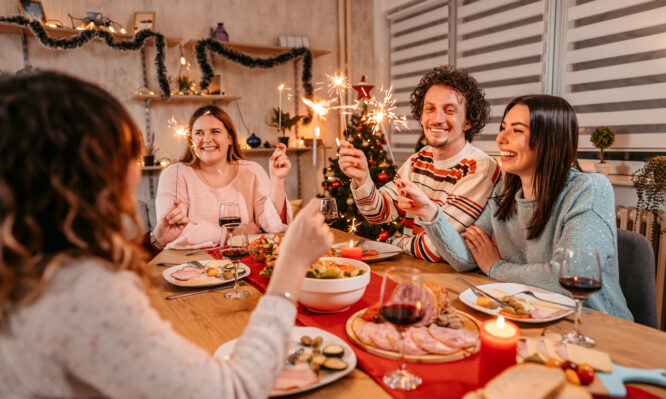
{"x":363,"y":135}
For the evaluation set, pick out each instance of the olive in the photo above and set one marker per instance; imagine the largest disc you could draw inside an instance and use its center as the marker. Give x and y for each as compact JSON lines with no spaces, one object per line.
{"x":317,"y":341}
{"x":493,"y":305}
{"x":509,"y":310}
{"x":506,"y":298}
{"x":316,"y":351}
{"x":306,"y":340}
{"x":377,"y":319}
{"x":521,"y":312}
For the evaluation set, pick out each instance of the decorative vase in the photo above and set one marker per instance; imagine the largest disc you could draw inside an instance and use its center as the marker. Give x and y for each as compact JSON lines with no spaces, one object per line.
{"x":220,"y":34}
{"x":149,"y":160}
{"x":284,"y":140}
{"x":253,"y":141}
{"x":603,"y":168}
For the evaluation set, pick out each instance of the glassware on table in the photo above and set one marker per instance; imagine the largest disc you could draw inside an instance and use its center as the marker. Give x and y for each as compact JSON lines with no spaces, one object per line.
{"x":401,"y":305}
{"x":235,"y":247}
{"x":229,"y":213}
{"x":580,"y":274}
{"x":329,"y":208}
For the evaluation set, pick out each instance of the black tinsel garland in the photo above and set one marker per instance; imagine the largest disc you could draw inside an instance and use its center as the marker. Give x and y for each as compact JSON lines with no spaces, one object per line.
{"x":85,"y":36}
{"x":251,"y":62}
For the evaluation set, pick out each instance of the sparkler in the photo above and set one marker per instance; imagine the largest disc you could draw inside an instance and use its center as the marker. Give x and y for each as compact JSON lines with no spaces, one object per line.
{"x":383,"y":109}
{"x":353,"y":226}
{"x":337,"y":84}
{"x":319,"y":108}
{"x":181,"y":131}
{"x":280,"y":88}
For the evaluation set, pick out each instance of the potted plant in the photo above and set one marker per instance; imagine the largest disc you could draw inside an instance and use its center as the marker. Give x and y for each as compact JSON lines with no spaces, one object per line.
{"x":149,"y":150}
{"x":284,"y":121}
{"x":602,"y":138}
{"x":650,"y":184}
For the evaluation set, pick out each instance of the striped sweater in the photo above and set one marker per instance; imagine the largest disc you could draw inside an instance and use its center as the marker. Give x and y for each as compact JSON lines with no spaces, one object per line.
{"x":459,"y":185}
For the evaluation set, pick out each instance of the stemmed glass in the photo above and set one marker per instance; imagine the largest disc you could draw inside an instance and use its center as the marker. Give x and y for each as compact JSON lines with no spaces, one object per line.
{"x":580,"y":274}
{"x":229,"y":213}
{"x":329,"y":208}
{"x":401,"y":305}
{"x":235,"y":247}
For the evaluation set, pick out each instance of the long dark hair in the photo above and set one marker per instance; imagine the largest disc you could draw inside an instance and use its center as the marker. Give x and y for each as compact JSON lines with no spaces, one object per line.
{"x":554,"y":134}
{"x":234,"y":153}
{"x":66,"y":147}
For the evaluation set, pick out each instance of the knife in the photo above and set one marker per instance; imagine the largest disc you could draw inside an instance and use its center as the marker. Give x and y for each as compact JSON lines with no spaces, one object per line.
{"x":219,"y":287}
{"x":200,"y":250}
{"x":612,"y":384}
{"x":478,"y":291}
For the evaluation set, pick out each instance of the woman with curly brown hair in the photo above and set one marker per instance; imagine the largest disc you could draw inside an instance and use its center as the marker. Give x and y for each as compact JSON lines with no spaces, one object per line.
{"x":451,"y":108}
{"x":75,"y":320}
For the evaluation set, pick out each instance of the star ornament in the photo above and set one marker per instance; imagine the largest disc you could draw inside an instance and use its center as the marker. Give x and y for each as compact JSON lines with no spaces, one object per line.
{"x":363,"y":88}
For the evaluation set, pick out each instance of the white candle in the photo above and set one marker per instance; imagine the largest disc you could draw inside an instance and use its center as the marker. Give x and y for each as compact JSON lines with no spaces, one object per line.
{"x":280,"y":88}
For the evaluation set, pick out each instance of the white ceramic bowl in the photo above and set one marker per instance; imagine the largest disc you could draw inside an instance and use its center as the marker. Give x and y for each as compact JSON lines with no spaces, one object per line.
{"x":335,"y":295}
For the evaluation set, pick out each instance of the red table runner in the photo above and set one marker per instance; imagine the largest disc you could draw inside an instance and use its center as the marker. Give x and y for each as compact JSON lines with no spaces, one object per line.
{"x":442,"y":380}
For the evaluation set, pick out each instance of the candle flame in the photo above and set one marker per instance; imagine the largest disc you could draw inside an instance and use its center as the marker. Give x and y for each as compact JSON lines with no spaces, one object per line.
{"x":351,"y":243}
{"x":500,"y":322}
{"x":183,"y":61}
{"x":337,"y":142}
{"x":281,"y":87}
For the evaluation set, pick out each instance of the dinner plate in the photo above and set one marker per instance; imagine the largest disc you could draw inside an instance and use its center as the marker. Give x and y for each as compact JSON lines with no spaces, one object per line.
{"x":205,"y":280}
{"x":385,"y":250}
{"x":325,"y":377}
{"x":469,"y":298}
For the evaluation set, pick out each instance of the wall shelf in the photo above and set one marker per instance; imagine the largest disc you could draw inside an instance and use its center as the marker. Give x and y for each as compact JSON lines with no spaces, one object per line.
{"x":64,"y":33}
{"x":257,"y":49}
{"x":177,"y":97}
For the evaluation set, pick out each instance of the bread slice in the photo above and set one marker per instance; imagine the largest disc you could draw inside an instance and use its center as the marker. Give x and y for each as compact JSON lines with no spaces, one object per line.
{"x":570,"y":391}
{"x":531,"y":380}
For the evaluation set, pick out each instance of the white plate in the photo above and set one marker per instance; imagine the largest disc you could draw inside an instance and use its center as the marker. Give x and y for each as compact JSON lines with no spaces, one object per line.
{"x":469,"y":298}
{"x":325,"y":376}
{"x":205,"y":280}
{"x":386,"y":250}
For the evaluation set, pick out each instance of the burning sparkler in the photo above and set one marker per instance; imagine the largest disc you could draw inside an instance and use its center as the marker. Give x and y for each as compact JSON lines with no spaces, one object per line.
{"x":320,"y":109}
{"x":383,"y":110}
{"x":181,"y":131}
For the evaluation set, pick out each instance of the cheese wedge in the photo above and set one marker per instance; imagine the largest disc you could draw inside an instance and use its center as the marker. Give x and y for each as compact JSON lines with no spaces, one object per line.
{"x":533,"y":347}
{"x":552,"y":350}
{"x":601,"y":361}
{"x":218,"y":263}
{"x":542,"y":305}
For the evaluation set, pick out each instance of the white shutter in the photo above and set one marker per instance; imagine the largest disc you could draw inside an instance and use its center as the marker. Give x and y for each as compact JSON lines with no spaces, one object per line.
{"x":502,"y":44}
{"x":418,"y":38}
{"x":616,"y":72}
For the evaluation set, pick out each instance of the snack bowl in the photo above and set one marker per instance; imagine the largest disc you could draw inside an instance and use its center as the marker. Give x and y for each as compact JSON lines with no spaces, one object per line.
{"x":335,"y":295}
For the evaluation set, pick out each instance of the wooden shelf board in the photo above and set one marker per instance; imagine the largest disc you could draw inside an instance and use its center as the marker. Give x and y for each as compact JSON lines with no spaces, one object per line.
{"x":258,"y":49}
{"x":60,"y":33}
{"x":212,"y":97}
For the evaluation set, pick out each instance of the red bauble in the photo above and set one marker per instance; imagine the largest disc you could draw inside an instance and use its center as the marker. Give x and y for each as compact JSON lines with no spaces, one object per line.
{"x":359,"y":127}
{"x":383,"y":235}
{"x":335,"y":184}
{"x":382,"y":176}
{"x":371,"y":161}
{"x":378,"y":143}
{"x":325,"y":186}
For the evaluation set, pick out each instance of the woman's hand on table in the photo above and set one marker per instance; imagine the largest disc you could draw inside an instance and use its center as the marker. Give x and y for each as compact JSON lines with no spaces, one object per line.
{"x":483,"y":248}
{"x":414,"y":201}
{"x":279,"y":163}
{"x":172,"y":224}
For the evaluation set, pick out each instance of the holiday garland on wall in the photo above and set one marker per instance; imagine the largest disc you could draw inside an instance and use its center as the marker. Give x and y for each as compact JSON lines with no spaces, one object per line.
{"x":251,"y":62}
{"x":136,"y":43}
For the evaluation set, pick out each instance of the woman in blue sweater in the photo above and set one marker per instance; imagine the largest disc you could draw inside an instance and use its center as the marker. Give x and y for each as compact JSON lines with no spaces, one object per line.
{"x":543,"y":203}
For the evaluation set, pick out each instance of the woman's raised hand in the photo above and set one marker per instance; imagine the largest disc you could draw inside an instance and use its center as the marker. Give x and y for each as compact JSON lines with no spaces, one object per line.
{"x":172,"y":224}
{"x":279,"y":163}
{"x":308,"y":227}
{"x":352,"y":162}
{"x":414,"y":201}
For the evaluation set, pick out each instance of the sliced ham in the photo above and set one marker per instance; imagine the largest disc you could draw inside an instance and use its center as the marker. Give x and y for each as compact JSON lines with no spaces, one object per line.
{"x":546,"y":314}
{"x":386,"y":337}
{"x":522,"y":349}
{"x":541,"y":347}
{"x":457,"y":338}
{"x":562,"y":351}
{"x":433,"y":300}
{"x":187,"y":273}
{"x":364,"y":333}
{"x":425,"y":341}
{"x":410,"y":346}
{"x":296,"y":377}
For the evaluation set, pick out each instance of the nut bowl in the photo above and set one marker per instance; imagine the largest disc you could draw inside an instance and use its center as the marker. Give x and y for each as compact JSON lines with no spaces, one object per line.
{"x":335,"y":295}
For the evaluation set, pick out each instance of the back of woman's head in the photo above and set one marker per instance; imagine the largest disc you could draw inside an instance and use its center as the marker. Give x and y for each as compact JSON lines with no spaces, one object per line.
{"x":554,"y":136}
{"x":234,"y":152}
{"x":66,"y":145}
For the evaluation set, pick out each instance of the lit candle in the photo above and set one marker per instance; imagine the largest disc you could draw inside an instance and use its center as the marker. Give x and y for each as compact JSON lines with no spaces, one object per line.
{"x":351,"y":251}
{"x":499,"y":339}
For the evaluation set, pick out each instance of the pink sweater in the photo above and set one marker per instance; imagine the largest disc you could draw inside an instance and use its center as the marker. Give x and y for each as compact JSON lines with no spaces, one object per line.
{"x":250,"y":189}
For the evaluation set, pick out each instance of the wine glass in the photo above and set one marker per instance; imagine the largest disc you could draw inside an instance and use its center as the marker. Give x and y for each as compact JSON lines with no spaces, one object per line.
{"x":400,"y":304}
{"x":329,"y":208}
{"x":580,"y":274}
{"x":235,"y":247}
{"x":229,"y":213}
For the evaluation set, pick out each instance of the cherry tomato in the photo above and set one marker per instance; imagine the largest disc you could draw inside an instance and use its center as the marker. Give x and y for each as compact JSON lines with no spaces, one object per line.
{"x":552,"y":362}
{"x":585,"y":375}
{"x":569,"y":365}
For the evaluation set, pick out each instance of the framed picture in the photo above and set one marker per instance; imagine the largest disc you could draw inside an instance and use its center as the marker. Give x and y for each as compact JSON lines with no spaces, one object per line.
{"x":144,"y":20}
{"x":32,"y":9}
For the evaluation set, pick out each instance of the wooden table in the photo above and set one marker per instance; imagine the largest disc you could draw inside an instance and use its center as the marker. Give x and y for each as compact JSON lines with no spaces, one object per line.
{"x":210,"y":320}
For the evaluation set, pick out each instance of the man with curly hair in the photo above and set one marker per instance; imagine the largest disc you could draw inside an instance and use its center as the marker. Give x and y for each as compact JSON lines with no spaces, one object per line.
{"x":452,"y":172}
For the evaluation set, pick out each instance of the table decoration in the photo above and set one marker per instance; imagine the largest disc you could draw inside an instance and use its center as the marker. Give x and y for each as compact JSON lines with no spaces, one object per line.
{"x":351,"y":251}
{"x":499,"y":339}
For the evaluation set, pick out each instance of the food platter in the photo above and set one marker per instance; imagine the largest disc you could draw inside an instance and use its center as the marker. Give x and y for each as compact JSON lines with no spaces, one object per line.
{"x":384,"y":250}
{"x":325,"y":377}
{"x":203,"y":280}
{"x":469,"y":298}
{"x":470,"y":324}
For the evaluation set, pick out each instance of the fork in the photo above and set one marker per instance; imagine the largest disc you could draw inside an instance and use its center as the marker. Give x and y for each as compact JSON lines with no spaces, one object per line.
{"x":196,"y":264}
{"x":532,"y":294}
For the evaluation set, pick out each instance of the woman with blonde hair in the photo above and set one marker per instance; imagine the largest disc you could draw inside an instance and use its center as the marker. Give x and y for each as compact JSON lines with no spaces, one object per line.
{"x":75,"y":320}
{"x":212,"y":171}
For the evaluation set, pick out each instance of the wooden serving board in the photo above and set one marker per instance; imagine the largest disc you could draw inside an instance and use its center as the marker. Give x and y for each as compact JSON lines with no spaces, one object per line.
{"x":470,"y":323}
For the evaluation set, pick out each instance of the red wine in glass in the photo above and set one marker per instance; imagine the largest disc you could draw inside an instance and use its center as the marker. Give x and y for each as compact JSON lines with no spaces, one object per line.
{"x":580,"y":287}
{"x":234,"y":253}
{"x":329,"y":219}
{"x":401,"y":314}
{"x":229,"y":219}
